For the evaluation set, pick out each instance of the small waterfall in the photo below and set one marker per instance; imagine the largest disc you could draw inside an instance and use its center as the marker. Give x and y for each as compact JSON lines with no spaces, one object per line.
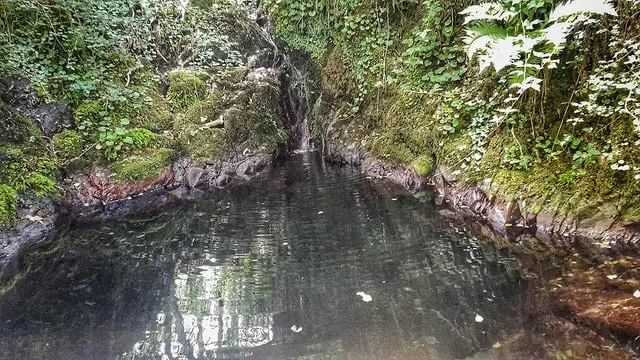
{"x":296,"y":95}
{"x":299,"y":91}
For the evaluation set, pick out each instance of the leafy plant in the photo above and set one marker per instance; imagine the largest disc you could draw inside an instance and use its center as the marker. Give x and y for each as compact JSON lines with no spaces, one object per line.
{"x":431,"y":53}
{"x":526,"y":35}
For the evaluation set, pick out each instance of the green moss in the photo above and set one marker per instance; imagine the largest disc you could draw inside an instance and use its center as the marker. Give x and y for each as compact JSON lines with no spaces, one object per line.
{"x":423,"y":165}
{"x":186,"y":88}
{"x":143,"y":166}
{"x":156,"y":117}
{"x":67,"y":145}
{"x":337,"y":80}
{"x":202,"y":144}
{"x":27,"y":172}
{"x":18,"y":129}
{"x":200,"y":112}
{"x":254,"y":118}
{"x":405,"y":131}
{"x":8,"y":206}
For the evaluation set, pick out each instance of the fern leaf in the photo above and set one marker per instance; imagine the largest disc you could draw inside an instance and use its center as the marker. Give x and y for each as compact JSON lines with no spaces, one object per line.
{"x":571,"y":8}
{"x":486,"y":11}
{"x":480,"y":37}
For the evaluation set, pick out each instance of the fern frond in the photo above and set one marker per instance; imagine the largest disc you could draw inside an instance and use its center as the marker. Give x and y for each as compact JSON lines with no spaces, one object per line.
{"x":575,"y":7}
{"x":481,"y":35}
{"x":487,"y":29}
{"x":486,"y":11}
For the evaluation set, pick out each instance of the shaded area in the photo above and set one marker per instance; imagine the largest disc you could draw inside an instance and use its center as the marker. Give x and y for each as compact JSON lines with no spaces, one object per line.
{"x":270,"y":270}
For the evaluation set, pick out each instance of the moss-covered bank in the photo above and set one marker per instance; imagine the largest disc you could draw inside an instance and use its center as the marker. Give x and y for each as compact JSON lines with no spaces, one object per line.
{"x":396,"y":82}
{"x":146,"y":85}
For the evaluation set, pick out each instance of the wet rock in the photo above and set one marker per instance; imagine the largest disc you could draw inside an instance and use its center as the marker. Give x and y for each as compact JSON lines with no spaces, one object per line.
{"x":193,"y":176}
{"x":222,"y":180}
{"x":271,"y":75}
{"x":51,"y":117}
{"x":264,"y":58}
{"x":545,"y":225}
{"x":447,"y":174}
{"x":38,"y":219}
{"x":599,"y":223}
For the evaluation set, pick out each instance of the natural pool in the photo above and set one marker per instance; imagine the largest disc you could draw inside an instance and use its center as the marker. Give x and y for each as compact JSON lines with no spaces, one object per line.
{"x":309,"y":262}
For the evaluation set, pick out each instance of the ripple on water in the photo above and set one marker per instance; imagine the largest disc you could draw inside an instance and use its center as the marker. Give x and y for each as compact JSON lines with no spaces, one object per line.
{"x":311,"y":262}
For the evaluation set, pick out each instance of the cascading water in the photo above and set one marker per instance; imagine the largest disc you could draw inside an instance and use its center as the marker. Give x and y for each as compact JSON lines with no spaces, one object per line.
{"x":296,"y":95}
{"x":299,"y":91}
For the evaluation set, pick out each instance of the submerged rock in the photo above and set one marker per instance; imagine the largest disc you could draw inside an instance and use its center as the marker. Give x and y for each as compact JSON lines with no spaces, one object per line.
{"x":603,"y":296}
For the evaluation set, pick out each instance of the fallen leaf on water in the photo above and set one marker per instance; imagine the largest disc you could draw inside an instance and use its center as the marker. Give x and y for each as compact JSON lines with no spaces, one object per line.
{"x":497,"y":345}
{"x":365,"y":297}
{"x":479,"y":318}
{"x":296,"y":329}
{"x":612,"y":277}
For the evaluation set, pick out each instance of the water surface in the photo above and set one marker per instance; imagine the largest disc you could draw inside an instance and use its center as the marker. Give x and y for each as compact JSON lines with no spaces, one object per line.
{"x":310,"y":262}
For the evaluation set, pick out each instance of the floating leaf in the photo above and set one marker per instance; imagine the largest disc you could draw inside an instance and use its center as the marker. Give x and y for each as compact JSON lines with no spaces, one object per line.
{"x":479,"y":318}
{"x":365,"y":297}
{"x":296,"y":329}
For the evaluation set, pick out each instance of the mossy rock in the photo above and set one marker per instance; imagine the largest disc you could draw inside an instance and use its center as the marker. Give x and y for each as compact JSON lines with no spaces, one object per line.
{"x":337,"y":80}
{"x":156,"y":117}
{"x":192,"y":134}
{"x":423,"y":165}
{"x":18,"y":129}
{"x":68,"y":145}
{"x":8,"y":206}
{"x":186,"y":88}
{"x":254,"y":118}
{"x":405,"y":130}
{"x":202,"y":144}
{"x":27,"y":173}
{"x":143,"y":166}
{"x":200,"y":112}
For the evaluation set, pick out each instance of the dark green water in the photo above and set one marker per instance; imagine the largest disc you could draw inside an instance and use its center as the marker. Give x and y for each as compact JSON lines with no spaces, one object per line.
{"x":268,"y":270}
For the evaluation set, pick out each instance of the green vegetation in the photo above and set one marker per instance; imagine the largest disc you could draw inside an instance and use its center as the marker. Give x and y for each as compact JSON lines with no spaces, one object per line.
{"x":185,"y":88}
{"x":8,"y":205}
{"x":139,"y":167}
{"x":148,"y":82}
{"x":25,"y":164}
{"x":539,"y":97}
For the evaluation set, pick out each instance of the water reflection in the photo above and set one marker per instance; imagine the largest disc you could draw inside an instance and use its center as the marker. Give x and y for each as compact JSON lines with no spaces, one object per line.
{"x":271,"y":270}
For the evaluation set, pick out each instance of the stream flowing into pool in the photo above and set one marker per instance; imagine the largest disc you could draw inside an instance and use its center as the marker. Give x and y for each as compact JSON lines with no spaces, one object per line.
{"x":308,"y":262}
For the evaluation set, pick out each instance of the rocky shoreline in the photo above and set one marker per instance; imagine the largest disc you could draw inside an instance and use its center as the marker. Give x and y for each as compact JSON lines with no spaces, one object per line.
{"x":599,"y":284}
{"x":602,"y":233}
{"x":94,"y":196}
